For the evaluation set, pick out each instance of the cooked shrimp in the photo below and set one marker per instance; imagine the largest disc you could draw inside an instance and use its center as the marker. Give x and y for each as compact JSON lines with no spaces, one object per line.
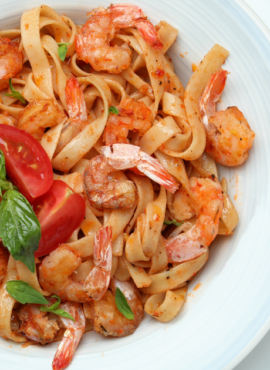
{"x":11,"y":59}
{"x":133,"y":115}
{"x":115,"y":194}
{"x":97,"y":282}
{"x":93,"y":40}
{"x":228,"y":135}
{"x":208,"y":207}
{"x":106,"y":318}
{"x":3,"y":262}
{"x":55,"y":275}
{"x":39,"y":115}
{"x":36,"y":325}
{"x":72,"y":335}
{"x":76,"y":111}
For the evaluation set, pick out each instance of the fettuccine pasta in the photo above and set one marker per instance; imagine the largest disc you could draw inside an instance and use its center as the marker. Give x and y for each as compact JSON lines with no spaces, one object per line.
{"x":136,"y":149}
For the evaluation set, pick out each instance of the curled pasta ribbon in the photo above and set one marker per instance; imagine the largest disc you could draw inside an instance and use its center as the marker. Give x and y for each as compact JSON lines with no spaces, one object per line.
{"x":211,"y":63}
{"x":175,"y":276}
{"x":122,"y":272}
{"x":138,"y":274}
{"x":229,"y":217}
{"x":7,"y":304}
{"x":89,"y":226}
{"x":206,"y":166}
{"x":73,"y":180}
{"x":50,"y":139}
{"x":81,"y":144}
{"x":159,"y":261}
{"x":176,"y":167}
{"x":154,"y":64}
{"x":145,"y":195}
{"x":165,"y":306}
{"x":32,"y":22}
{"x":29,"y":277}
{"x":158,"y":134}
{"x":153,"y":222}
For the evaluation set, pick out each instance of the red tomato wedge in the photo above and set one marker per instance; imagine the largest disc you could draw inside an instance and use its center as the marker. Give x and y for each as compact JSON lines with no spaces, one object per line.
{"x":28,"y":165}
{"x":60,"y":212}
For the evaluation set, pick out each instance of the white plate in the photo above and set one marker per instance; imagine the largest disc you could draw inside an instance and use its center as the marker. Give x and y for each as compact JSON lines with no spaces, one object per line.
{"x":224,"y":319}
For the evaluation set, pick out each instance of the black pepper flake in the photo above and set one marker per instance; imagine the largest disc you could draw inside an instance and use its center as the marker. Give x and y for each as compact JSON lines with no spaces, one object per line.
{"x":102,"y":327}
{"x":174,"y":88}
{"x":168,"y":277}
{"x":160,"y":82}
{"x":213,"y":176}
{"x":169,"y":81}
{"x":170,"y":265}
{"x":133,"y":265}
{"x":240,"y":138}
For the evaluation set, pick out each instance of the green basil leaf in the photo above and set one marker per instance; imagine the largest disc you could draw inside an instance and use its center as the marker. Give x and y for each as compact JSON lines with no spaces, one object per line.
{"x":5,"y":185}
{"x":113,"y":109}
{"x":173,"y":222}
{"x":3,"y":173}
{"x":24,"y":293}
{"x":15,"y":94}
{"x":122,"y":305}
{"x":55,"y":304}
{"x":57,"y":311}
{"x":62,"y":50}
{"x":19,"y":228}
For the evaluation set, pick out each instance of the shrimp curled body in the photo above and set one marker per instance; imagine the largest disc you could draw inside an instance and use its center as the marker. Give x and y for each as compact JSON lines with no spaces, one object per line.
{"x":228,"y":135}
{"x":93,"y":40}
{"x":101,"y":192}
{"x":56,"y":269}
{"x":11,"y":59}
{"x":133,"y":115}
{"x":106,"y":318}
{"x":72,"y":336}
{"x":208,"y":208}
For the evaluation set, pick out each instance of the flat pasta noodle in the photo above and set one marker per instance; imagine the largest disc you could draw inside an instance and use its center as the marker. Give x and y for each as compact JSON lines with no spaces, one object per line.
{"x":143,"y":104}
{"x":165,"y":306}
{"x":7,"y":304}
{"x":173,"y":277}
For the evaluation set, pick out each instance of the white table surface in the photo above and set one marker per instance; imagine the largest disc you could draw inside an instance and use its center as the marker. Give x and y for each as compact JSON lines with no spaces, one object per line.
{"x":259,"y":358}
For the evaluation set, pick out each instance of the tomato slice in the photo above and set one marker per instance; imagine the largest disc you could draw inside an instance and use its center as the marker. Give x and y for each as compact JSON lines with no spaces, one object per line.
{"x":28,"y":165}
{"x":60,"y":212}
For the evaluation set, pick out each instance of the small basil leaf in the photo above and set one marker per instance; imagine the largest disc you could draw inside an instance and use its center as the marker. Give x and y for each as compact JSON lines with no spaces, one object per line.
{"x":15,"y":94}
{"x":55,"y":304}
{"x":173,"y":222}
{"x":122,"y":305}
{"x":24,"y":293}
{"x":113,"y":109}
{"x":62,"y":50}
{"x":5,"y":185}
{"x":57,"y":311}
{"x":3,"y":173}
{"x":19,"y":228}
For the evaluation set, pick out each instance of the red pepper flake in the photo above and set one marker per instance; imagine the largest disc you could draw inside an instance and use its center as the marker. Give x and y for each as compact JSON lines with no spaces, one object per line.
{"x":160,"y":72}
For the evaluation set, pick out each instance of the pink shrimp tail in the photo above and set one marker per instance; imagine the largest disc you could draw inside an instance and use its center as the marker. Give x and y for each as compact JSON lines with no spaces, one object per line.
{"x":149,"y":33}
{"x":75,"y":100}
{"x":155,"y":171}
{"x":66,"y":349}
{"x":97,"y":282}
{"x":124,"y":156}
{"x":181,"y":249}
{"x":123,"y":15}
{"x":127,"y":15}
{"x":212,"y":93}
